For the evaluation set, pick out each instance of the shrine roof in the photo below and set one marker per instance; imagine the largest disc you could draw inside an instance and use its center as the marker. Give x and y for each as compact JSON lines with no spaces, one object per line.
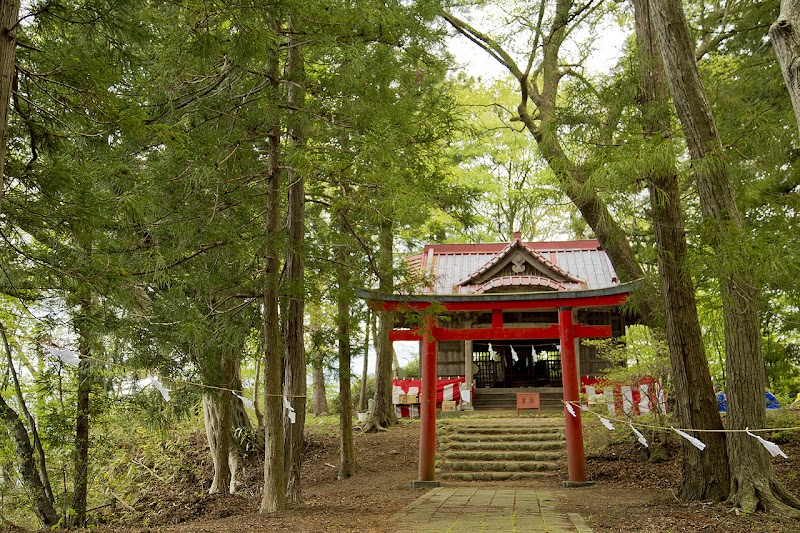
{"x":451,"y":266}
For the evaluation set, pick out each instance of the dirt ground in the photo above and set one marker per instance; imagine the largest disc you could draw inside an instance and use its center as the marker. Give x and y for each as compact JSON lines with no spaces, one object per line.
{"x":630,"y":493}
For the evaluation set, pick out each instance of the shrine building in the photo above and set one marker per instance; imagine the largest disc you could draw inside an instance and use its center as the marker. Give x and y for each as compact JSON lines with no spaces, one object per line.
{"x":508,"y":316}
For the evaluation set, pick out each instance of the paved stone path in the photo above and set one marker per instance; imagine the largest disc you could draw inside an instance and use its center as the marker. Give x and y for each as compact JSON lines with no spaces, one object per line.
{"x":467,"y":510}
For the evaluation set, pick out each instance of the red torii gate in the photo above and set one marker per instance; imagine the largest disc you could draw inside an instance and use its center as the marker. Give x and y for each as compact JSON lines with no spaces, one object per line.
{"x":567,"y":331}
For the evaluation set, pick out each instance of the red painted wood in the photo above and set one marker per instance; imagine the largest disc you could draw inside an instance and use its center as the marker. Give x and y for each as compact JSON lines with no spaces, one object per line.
{"x":501,"y":333}
{"x":576,"y":461}
{"x":427,"y":408}
{"x":405,"y":335}
{"x":488,"y":334}
{"x":497,"y":319}
{"x":585,"y":301}
{"x":592,"y":332}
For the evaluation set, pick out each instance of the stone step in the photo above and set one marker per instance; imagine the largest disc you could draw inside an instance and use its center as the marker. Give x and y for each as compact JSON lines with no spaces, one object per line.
{"x":502,"y":445}
{"x":501,"y":455}
{"x":496,"y":466}
{"x":491,"y":476}
{"x":502,"y":437}
{"x":502,"y":430}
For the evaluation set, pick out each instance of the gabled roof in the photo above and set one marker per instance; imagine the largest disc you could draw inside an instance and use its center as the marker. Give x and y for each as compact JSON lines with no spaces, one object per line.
{"x":469,"y":268}
{"x":546,"y":268}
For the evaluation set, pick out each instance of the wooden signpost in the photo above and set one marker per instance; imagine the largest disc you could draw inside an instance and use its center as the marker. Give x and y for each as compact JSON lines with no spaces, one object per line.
{"x":528,"y":400}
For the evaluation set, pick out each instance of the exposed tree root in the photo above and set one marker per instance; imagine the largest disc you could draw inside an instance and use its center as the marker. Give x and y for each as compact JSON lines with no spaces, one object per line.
{"x":770,"y":496}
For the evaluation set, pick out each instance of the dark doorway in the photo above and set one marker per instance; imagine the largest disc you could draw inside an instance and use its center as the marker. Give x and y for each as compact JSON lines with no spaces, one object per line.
{"x":536,"y":364}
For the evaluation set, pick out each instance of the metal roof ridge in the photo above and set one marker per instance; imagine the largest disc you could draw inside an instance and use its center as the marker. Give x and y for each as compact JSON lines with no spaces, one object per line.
{"x":622,"y":288}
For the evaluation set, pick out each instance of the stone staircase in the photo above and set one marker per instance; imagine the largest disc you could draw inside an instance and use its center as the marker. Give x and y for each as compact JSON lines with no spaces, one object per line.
{"x":493,"y":399}
{"x":499,"y":449}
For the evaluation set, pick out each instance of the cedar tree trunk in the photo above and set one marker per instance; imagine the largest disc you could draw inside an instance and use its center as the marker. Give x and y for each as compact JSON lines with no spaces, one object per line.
{"x":295,"y":366}
{"x":705,"y":474}
{"x":84,"y":375}
{"x":348,"y":465}
{"x":753,"y":482}
{"x":9,"y":14}
{"x":383,"y":415}
{"x":362,"y":390}
{"x":786,"y":42}
{"x":274,"y":497}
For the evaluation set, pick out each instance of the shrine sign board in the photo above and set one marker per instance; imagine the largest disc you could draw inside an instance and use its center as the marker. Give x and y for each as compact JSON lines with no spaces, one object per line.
{"x":528,"y":400}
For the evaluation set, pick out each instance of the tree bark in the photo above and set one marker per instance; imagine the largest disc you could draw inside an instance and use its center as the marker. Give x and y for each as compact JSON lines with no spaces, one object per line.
{"x":34,"y":431}
{"x":294,"y":335}
{"x":9,"y":15}
{"x":84,"y":376}
{"x":217,"y":411}
{"x":226,"y":449}
{"x":34,"y":475}
{"x":383,"y":415}
{"x":30,"y":476}
{"x":705,"y":474}
{"x":362,"y":390}
{"x":786,"y":42}
{"x":347,"y":464}
{"x":274,"y":497}
{"x":320,"y":400}
{"x":753,"y":482}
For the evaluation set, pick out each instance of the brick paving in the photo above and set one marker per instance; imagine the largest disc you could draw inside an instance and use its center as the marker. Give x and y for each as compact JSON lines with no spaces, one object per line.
{"x":467,"y":510}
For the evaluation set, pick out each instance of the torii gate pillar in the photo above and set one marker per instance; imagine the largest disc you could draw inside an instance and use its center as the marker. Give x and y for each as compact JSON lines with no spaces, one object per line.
{"x":576,"y":460}
{"x":427,"y":409}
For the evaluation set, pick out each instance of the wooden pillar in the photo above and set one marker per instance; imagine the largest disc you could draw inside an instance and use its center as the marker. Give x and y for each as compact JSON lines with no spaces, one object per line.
{"x":576,"y":461}
{"x":468,"y":366}
{"x":427,"y":408}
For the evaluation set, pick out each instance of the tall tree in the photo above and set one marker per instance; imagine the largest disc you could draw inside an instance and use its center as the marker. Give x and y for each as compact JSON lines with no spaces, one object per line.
{"x":9,"y":16}
{"x":344,"y":296}
{"x":705,"y":474}
{"x":786,"y":42}
{"x":274,"y":498}
{"x":753,"y":481}
{"x":539,"y":79}
{"x":294,"y":341}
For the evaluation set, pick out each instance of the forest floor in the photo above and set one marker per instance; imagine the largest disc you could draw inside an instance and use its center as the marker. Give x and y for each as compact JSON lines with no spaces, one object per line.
{"x":630,"y":493}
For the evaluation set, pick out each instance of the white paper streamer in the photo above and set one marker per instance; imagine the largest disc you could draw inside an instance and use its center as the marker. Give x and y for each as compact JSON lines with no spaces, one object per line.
{"x":607,"y":423}
{"x":584,"y":407}
{"x":514,"y":355}
{"x":67,"y":356}
{"x":288,"y":407}
{"x":150,"y":380}
{"x":700,"y":445}
{"x":246,"y":401}
{"x":773,"y":449}
{"x":534,"y":355}
{"x":570,"y":409}
{"x":641,"y":438}
{"x":466,"y":396}
{"x":492,"y":353}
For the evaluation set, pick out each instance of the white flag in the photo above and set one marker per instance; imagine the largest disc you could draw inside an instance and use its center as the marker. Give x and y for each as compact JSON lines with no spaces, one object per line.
{"x":67,"y":356}
{"x":700,"y":445}
{"x":466,"y":396}
{"x":773,"y":449}
{"x":642,"y":440}
{"x":246,"y":401}
{"x":288,"y":407}
{"x":514,"y":355}
{"x":570,"y":409}
{"x":150,"y":380}
{"x":607,"y":423}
